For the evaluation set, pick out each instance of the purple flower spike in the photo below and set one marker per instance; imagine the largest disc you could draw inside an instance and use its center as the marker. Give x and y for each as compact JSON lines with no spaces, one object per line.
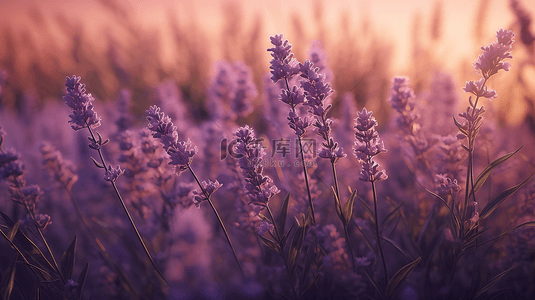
{"x":180,"y":153}
{"x":490,"y":61}
{"x":81,"y":103}
{"x":475,"y":87}
{"x":259,"y":188}
{"x":113,"y":173}
{"x":367,"y":146}
{"x":210,"y":187}
{"x":283,"y":64}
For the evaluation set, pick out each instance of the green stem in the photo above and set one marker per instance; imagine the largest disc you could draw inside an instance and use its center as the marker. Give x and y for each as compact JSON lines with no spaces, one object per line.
{"x":303,"y":162}
{"x":127,"y":212}
{"x":281,"y":252}
{"x":218,"y":218}
{"x":377,"y":232}
{"x":348,"y":242}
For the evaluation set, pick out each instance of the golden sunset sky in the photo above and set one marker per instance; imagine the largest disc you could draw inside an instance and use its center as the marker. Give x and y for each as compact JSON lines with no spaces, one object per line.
{"x":391,"y":19}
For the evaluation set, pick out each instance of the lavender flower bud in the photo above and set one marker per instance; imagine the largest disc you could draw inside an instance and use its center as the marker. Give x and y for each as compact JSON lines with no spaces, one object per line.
{"x":264,"y":227}
{"x":490,"y":61}
{"x":113,"y":173}
{"x":446,"y":185}
{"x":475,"y":87}
{"x":283,"y":65}
{"x":259,"y":188}
{"x":367,"y":146}
{"x":42,"y":221}
{"x":209,"y":187}
{"x":81,"y":104}
{"x":245,"y":90}
{"x":180,"y":153}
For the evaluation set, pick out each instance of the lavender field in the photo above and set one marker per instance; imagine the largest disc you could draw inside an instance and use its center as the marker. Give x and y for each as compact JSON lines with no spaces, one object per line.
{"x":308,"y":164}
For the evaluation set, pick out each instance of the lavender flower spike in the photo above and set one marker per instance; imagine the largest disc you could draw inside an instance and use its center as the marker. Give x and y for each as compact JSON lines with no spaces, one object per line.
{"x":367,"y":146}
{"x":490,"y":61}
{"x":112,"y":174}
{"x":210,"y":187}
{"x":180,"y":153}
{"x":81,"y":103}
{"x":283,"y":64}
{"x":259,"y":188}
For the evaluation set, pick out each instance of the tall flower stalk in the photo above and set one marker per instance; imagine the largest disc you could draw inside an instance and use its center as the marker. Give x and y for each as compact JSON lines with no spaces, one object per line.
{"x":367,"y":146}
{"x":487,"y":64}
{"x":284,"y":66}
{"x":181,"y":155}
{"x":316,"y":92}
{"x":83,"y":116}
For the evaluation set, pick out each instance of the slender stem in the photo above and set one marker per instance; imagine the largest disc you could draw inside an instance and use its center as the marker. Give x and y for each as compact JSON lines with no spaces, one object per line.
{"x":218,"y":218}
{"x":281,"y":252}
{"x":31,"y":213}
{"x":377,"y":232}
{"x":127,"y":212}
{"x":303,"y":162}
{"x":348,"y":242}
{"x":306,"y":181}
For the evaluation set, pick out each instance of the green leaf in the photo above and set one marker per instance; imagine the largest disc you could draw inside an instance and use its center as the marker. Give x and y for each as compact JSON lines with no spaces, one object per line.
{"x":81,"y":281}
{"x":366,"y":207}
{"x":532,"y":223}
{"x":445,"y":204}
{"x":13,"y":231}
{"x":395,"y":245}
{"x":399,"y":277}
{"x":487,"y":171}
{"x":99,"y":165}
{"x":498,"y":199}
{"x":370,"y":278}
{"x":459,"y":126}
{"x":338,"y":206}
{"x":492,"y":282}
{"x":383,"y":224}
{"x":348,"y":207}
{"x":308,"y":290}
{"x":8,"y":279}
{"x":296,"y":244}
{"x":281,"y":221}
{"x":67,"y":260}
{"x":269,"y":243}
{"x":8,"y":220}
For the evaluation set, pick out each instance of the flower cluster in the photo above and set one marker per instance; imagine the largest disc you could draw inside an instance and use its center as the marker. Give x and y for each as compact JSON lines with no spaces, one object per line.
{"x":81,"y":104}
{"x":284,"y":66}
{"x":231,"y":91}
{"x":491,"y":60}
{"x":64,"y":171}
{"x":316,"y":90}
{"x":260,"y":188}
{"x":367,"y":146}
{"x":112,"y":173}
{"x":180,"y":153}
{"x":446,"y":185}
{"x":208,"y":188}
{"x":402,"y":99}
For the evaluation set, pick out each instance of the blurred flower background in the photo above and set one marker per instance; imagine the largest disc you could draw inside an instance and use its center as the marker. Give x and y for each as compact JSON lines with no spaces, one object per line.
{"x":204,"y":64}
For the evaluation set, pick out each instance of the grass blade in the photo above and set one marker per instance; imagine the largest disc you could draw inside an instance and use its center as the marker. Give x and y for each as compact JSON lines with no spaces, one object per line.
{"x":498,"y":199}
{"x":281,"y":221}
{"x":492,"y":282}
{"x":400,"y":276}
{"x":8,"y":279}
{"x":487,"y":171}
{"x":67,"y":260}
